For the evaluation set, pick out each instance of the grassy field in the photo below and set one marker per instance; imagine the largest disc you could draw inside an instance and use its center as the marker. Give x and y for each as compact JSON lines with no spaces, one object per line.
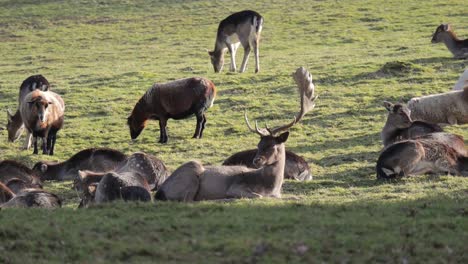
{"x":101,"y":56}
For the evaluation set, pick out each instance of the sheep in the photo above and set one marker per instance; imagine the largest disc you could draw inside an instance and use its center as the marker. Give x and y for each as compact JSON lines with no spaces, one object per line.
{"x":445,"y":108}
{"x":43,"y":114}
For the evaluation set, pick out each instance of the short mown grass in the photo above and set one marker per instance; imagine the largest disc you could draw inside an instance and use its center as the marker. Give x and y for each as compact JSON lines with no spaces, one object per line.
{"x":101,"y":56}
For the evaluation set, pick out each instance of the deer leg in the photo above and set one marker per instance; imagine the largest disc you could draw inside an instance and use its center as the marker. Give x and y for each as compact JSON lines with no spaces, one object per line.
{"x":183,"y":184}
{"x":246,"y":58}
{"x":240,"y":191}
{"x":232,"y":51}
{"x":199,"y":125}
{"x":257,"y":60}
{"x":44,"y":145}
{"x":35,"y":144}
{"x":163,"y":131}
{"x":51,"y":147}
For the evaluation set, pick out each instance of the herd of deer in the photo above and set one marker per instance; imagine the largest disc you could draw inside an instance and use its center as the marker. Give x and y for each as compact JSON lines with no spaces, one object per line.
{"x":102,"y":175}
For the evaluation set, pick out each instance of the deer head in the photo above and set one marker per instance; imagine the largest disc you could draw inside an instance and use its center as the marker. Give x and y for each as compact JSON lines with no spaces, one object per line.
{"x":272,"y":139}
{"x":399,"y":115}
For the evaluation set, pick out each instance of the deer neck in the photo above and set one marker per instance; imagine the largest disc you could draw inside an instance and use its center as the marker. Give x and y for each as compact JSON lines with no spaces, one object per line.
{"x":272,"y":175}
{"x":220,"y":49}
{"x":451,"y":41}
{"x":389,"y":133}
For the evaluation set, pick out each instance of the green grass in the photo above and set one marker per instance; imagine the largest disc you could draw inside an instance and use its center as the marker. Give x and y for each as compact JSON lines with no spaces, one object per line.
{"x":103,"y":55}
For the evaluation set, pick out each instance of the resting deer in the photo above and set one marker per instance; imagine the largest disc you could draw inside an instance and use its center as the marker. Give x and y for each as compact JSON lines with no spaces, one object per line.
{"x":193,"y":182}
{"x":433,"y":153}
{"x":239,"y":28}
{"x":458,"y":47}
{"x":400,"y":126}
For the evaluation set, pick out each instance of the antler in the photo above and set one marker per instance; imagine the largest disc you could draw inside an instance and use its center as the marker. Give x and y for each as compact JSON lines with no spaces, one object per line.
{"x":306,"y":91}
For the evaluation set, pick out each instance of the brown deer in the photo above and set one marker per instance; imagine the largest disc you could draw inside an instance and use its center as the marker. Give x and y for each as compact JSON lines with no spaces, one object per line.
{"x":10,"y":169}
{"x":15,"y":124}
{"x":433,"y":153}
{"x":400,"y":126}
{"x":458,"y":47}
{"x":6,"y":193}
{"x":177,"y":100}
{"x":239,"y":28}
{"x":43,"y":114}
{"x":192,"y":181}
{"x":296,"y":167}
{"x":93,"y":159}
{"x":33,"y":198}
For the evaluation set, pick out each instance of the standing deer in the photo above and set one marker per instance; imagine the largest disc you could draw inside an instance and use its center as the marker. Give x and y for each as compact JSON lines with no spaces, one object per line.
{"x":15,"y":124}
{"x":458,"y":47}
{"x":400,"y":126}
{"x":193,"y":182}
{"x":239,"y":28}
{"x":178,"y":100}
{"x":42,"y":114}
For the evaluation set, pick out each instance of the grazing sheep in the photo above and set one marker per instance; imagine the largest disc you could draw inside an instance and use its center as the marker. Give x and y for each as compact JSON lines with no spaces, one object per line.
{"x":93,"y":159}
{"x":15,"y":124}
{"x":178,"y":100}
{"x":462,"y":81}
{"x":400,"y":126}
{"x":445,"y":108}
{"x":10,"y":169}
{"x":296,"y":167}
{"x":42,"y":114}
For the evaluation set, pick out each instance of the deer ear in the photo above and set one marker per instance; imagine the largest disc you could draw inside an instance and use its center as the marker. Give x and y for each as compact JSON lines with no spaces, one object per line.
{"x":388,"y":105}
{"x":82,"y":174}
{"x":92,"y":188}
{"x":446,"y":27}
{"x":9,"y":116}
{"x":43,"y":168}
{"x":211,"y":53}
{"x":283,"y":137}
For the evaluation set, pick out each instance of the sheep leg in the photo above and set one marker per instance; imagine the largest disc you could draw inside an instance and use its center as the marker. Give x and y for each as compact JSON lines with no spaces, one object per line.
{"x":44,"y":145}
{"x":199,"y":125}
{"x":203,"y":125}
{"x":51,"y":147}
{"x":35,"y":144}
{"x":162,"y":130}
{"x":28,"y":140}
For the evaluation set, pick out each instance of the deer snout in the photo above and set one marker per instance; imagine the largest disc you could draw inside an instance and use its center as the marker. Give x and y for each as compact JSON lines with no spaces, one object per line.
{"x":259,"y":161}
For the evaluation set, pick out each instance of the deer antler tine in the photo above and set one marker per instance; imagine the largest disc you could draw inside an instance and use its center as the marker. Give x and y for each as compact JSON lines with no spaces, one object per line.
{"x":256,"y":130}
{"x":247,"y":122}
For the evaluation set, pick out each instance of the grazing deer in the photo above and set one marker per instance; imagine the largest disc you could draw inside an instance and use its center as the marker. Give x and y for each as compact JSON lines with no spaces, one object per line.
{"x":458,"y":47}
{"x":192,"y":181}
{"x":10,"y":169}
{"x":400,"y":126}
{"x":93,"y":159}
{"x":42,"y":114}
{"x":15,"y":124}
{"x":296,"y":167}
{"x":433,"y":153}
{"x":178,"y":100}
{"x":239,"y":28}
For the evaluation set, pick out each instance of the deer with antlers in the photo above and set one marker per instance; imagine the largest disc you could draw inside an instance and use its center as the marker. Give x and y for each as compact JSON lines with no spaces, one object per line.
{"x":194,"y":182}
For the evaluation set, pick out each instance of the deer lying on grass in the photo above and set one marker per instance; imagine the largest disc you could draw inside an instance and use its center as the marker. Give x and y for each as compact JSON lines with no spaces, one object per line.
{"x":458,"y":47}
{"x":33,"y":198}
{"x":193,"y":182}
{"x":15,"y":124}
{"x":178,"y":100}
{"x":433,"y":153}
{"x":11,"y":170}
{"x":296,"y":167}
{"x":42,"y":114}
{"x":400,"y":126}
{"x":239,"y":28}
{"x":93,"y":159}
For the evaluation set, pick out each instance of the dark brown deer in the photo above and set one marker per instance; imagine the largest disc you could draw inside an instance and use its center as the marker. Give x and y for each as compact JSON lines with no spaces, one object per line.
{"x":239,"y":28}
{"x":433,"y":153}
{"x":445,"y":34}
{"x":15,"y":124}
{"x":192,"y":181}
{"x":10,"y":169}
{"x":296,"y":167}
{"x":33,"y":198}
{"x":43,"y":114}
{"x":400,"y":126}
{"x":148,"y":166}
{"x":93,"y":159}
{"x":177,"y":100}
